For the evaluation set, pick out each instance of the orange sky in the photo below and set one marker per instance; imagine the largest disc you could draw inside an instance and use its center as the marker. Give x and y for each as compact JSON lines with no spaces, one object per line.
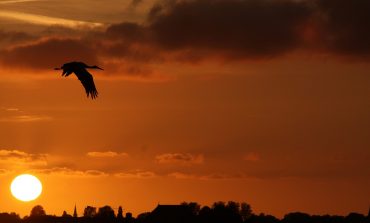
{"x":196,"y":103}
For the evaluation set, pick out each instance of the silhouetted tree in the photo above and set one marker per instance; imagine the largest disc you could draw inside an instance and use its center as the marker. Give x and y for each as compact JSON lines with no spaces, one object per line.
{"x":205,"y":214}
{"x":106,"y":212}
{"x":129,"y":218}
{"x":296,"y":217}
{"x":218,"y":205}
{"x":10,"y":218}
{"x":37,"y":211}
{"x":66,"y":215}
{"x":245,"y":211}
{"x":233,"y":206}
{"x":120,"y":214}
{"x":193,"y":206}
{"x":355,"y":218}
{"x":226,"y":213}
{"x":89,"y":211}
{"x":143,"y":217}
{"x":262,"y":218}
{"x":221,"y":212}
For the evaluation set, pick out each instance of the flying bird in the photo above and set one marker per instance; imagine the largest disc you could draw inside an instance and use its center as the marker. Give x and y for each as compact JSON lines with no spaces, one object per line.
{"x":80,"y":69}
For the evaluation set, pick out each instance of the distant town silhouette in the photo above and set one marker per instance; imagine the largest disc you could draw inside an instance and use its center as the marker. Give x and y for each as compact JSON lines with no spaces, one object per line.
{"x":192,"y":212}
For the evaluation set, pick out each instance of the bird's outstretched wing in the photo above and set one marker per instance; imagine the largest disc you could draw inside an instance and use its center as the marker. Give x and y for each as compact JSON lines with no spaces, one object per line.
{"x":87,"y":81}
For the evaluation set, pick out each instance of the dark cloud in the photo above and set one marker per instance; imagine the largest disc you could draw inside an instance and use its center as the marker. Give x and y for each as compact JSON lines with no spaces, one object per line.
{"x":194,"y":30}
{"x":135,"y":3}
{"x":48,"y":53}
{"x":8,"y":38}
{"x":190,"y":31}
{"x":345,"y":26}
{"x":234,"y":29}
{"x":251,"y":28}
{"x":127,"y":31}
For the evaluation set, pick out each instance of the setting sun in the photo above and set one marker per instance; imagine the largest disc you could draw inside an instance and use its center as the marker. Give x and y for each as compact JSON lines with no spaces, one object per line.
{"x":26,"y":187}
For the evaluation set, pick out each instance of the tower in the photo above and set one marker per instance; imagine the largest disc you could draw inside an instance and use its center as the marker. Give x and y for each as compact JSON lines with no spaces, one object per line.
{"x":75,"y":212}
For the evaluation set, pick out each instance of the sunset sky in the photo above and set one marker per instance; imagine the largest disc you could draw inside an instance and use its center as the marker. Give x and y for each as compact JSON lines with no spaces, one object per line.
{"x":263,"y":101}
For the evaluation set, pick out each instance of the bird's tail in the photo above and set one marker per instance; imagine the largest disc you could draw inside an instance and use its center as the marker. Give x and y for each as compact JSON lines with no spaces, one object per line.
{"x":93,"y":94}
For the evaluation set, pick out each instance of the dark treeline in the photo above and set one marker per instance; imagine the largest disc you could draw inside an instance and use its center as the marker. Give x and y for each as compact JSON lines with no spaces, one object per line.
{"x":219,"y":212}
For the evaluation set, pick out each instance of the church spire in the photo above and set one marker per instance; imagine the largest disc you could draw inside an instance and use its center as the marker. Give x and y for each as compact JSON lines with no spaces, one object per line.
{"x":75,"y":212}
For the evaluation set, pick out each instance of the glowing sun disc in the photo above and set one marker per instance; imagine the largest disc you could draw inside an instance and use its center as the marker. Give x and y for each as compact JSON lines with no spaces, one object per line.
{"x":26,"y":187}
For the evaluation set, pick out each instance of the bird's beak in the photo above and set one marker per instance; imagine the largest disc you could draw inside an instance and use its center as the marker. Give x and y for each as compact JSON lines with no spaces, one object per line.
{"x":57,"y":68}
{"x":100,"y":68}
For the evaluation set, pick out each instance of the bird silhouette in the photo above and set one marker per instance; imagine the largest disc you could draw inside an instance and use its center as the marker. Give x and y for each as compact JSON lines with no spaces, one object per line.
{"x":80,"y":69}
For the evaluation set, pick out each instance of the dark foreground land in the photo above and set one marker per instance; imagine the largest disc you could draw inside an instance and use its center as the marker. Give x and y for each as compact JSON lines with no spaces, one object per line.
{"x":219,"y":212}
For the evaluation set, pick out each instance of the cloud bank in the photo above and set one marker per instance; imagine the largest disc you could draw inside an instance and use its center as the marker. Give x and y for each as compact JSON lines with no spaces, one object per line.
{"x":21,"y":158}
{"x":199,"y":30}
{"x":68,"y":172}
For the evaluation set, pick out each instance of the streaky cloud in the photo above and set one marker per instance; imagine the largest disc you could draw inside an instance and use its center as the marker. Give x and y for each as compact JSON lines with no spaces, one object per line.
{"x":26,"y":118}
{"x":106,"y":154}
{"x":68,"y":172}
{"x":17,"y":1}
{"x":47,"y":20}
{"x":136,"y":174}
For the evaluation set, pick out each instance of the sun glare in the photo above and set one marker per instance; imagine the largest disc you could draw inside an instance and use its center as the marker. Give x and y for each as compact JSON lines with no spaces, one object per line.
{"x":26,"y":187}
